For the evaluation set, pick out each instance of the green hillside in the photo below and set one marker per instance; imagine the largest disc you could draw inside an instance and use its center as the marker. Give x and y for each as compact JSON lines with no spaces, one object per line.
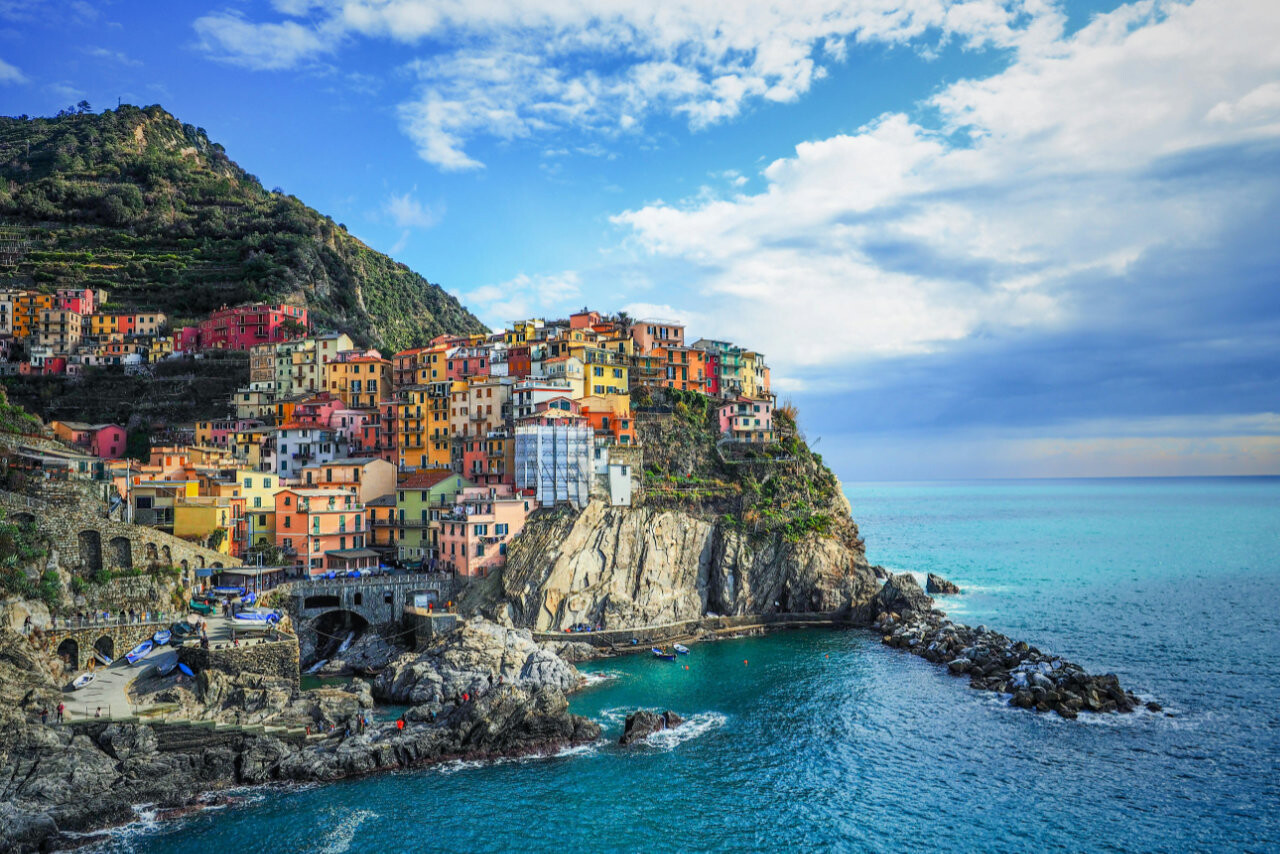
{"x":137,"y":202}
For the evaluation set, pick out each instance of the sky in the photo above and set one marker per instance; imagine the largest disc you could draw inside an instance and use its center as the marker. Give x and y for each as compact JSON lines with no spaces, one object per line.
{"x":974,"y":238}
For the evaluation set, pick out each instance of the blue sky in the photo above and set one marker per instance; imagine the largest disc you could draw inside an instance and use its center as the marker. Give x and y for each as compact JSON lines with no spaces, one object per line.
{"x":983,"y":238}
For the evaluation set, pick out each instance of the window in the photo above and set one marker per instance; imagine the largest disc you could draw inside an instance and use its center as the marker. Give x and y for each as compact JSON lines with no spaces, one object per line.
{"x":501,"y":529}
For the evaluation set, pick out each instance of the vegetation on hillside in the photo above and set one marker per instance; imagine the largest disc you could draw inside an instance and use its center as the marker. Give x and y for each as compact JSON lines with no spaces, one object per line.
{"x":780,"y":488}
{"x":22,"y":546}
{"x":134,"y":201}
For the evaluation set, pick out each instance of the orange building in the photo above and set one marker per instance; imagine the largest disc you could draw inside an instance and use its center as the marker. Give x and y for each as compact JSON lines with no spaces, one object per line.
{"x":321,"y":529}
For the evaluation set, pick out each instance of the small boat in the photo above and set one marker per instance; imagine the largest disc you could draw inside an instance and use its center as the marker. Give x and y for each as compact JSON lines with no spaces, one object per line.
{"x":140,"y":651}
{"x":316,"y":667}
{"x":102,"y":657}
{"x":186,"y":671}
{"x":346,"y":644}
{"x":663,"y":654}
{"x":229,"y":591}
{"x":681,"y":649}
{"x":161,"y":637}
{"x":255,"y":620}
{"x":168,"y":667}
{"x":80,"y":681}
{"x":248,"y":598}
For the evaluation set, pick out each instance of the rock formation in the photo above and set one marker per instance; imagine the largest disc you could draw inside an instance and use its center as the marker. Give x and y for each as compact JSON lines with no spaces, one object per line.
{"x":642,"y":724}
{"x":637,"y":566}
{"x":939,"y":586}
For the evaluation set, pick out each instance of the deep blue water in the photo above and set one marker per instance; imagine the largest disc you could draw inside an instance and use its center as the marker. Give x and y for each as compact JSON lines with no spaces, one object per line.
{"x":824,"y":740}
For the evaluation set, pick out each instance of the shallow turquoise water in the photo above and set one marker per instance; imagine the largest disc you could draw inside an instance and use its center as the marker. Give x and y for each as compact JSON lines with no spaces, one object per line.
{"x":828,"y":741}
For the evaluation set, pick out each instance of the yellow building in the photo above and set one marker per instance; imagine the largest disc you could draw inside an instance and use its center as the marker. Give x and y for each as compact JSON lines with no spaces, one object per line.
{"x":195,"y":519}
{"x":60,"y":329}
{"x":361,"y":381}
{"x":412,"y":411}
{"x":259,"y":490}
{"x":26,"y":313}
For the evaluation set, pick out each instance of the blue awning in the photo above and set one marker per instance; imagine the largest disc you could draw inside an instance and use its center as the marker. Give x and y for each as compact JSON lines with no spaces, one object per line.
{"x":203,"y":573}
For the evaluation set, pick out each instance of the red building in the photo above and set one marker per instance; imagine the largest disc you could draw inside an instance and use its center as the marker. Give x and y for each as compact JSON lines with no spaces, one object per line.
{"x":378,"y":435}
{"x":79,"y":300}
{"x":246,"y":326}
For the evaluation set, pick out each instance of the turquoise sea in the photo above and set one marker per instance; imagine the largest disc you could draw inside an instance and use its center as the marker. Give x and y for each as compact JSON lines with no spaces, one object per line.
{"x":827,"y":741}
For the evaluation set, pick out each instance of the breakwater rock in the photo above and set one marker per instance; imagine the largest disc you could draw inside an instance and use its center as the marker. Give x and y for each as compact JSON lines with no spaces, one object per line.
{"x":994,"y":662}
{"x":642,"y":724}
{"x":939,"y":586}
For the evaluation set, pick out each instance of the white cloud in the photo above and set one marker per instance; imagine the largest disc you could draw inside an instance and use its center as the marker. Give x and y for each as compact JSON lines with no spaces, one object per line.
{"x":898,"y":239}
{"x":517,"y":68}
{"x":10,"y":73}
{"x":408,"y":212}
{"x":118,"y":57}
{"x":526,"y":296}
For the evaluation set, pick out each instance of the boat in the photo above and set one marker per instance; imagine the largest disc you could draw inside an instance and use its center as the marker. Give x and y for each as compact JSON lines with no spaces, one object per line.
{"x":681,"y":649}
{"x":185,"y":670}
{"x":663,"y":654}
{"x":168,"y":667}
{"x":248,"y":598}
{"x":140,"y":651}
{"x":316,"y":667}
{"x":254,"y":620}
{"x":80,"y":681}
{"x":229,"y":591}
{"x":161,"y":637}
{"x":102,"y":657}
{"x":346,"y":644}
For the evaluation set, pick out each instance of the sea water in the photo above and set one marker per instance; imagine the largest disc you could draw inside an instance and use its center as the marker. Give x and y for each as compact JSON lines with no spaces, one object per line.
{"x":828,"y":741}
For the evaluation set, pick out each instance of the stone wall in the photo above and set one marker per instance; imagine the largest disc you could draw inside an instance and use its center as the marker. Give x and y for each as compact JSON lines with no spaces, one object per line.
{"x":76,"y":644}
{"x":428,"y":625}
{"x":378,"y":599}
{"x":270,"y":658}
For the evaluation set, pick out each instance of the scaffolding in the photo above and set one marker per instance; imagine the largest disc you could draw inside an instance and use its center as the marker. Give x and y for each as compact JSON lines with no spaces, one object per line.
{"x":554,"y":460}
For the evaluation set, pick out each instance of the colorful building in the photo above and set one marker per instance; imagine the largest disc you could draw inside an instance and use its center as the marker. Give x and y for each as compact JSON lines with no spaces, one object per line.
{"x":246,"y":326}
{"x":417,"y":495}
{"x":316,"y":526}
{"x":475,"y":532}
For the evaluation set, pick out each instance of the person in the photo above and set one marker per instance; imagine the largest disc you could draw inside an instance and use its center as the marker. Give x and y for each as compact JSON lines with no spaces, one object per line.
{"x":400,"y":722}
{"x":62,"y":707}
{"x":308,"y":730}
{"x":98,"y":713}
{"x":44,"y":714}
{"x":26,"y":625}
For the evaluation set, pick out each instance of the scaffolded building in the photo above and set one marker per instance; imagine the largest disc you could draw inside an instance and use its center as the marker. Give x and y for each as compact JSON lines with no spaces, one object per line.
{"x":554,"y":459}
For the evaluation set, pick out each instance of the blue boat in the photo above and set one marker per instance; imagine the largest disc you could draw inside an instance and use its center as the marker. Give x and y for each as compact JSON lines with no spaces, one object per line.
{"x":161,"y":637}
{"x":168,"y":667}
{"x":248,"y":598}
{"x":255,"y":620}
{"x":140,"y":651}
{"x":229,"y":591}
{"x":663,"y":654}
{"x":185,"y":670}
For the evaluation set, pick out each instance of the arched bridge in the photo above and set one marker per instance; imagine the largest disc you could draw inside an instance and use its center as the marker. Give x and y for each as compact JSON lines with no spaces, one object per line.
{"x":377,"y":599}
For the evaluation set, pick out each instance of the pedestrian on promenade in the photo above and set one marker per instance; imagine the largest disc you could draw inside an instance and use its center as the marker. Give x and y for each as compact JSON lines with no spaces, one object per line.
{"x":62,"y":707}
{"x":44,"y":714}
{"x":98,"y":713}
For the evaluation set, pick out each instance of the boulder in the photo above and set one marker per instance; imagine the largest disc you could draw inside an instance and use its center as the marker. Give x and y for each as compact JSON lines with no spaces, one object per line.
{"x":643,"y":723}
{"x":901,"y":594}
{"x":939,"y":586}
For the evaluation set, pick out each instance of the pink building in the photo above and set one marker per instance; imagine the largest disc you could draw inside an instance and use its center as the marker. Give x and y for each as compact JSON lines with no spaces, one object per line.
{"x":246,"y":326}
{"x":186,"y":340}
{"x":318,"y":410}
{"x":349,"y":424}
{"x":465,"y":362}
{"x":747,"y":420}
{"x":474,"y":534}
{"x":79,"y":300}
{"x":108,"y":442}
{"x":649,"y":334}
{"x":584,"y":319}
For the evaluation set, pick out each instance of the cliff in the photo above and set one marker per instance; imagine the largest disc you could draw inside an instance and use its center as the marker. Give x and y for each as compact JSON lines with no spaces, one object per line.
{"x":137,"y":202}
{"x":721,"y":529}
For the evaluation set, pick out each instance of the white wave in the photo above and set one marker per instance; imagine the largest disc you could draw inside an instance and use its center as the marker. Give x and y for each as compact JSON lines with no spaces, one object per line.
{"x":693,"y":726}
{"x":339,"y":839}
{"x":613,"y":717}
{"x":592,"y":678}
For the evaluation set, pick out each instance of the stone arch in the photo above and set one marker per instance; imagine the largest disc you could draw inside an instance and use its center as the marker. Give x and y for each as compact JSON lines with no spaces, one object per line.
{"x":153,"y":554}
{"x":320,"y":600}
{"x":69,"y":651}
{"x":217,"y":564}
{"x":91,"y":550}
{"x":183,"y":563}
{"x":24,"y":518}
{"x":200,"y":561}
{"x":332,"y":627}
{"x":121,"y":552}
{"x":166,"y":555}
{"x":106,"y":645}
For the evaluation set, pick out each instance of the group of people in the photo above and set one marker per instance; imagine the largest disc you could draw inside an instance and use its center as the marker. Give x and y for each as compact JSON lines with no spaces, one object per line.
{"x":61,"y":710}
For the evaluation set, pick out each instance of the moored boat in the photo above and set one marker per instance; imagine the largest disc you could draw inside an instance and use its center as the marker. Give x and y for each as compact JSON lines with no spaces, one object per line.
{"x":681,"y":649}
{"x":254,"y":620}
{"x":80,"y":681}
{"x":663,"y":654}
{"x":140,"y":651}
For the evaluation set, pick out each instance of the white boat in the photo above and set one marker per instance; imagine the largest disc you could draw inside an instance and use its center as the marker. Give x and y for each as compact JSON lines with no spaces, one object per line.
{"x":346,"y":644}
{"x":161,"y":637}
{"x":681,"y":649}
{"x":140,"y":651}
{"x":102,"y":657}
{"x":316,"y":667}
{"x":254,"y":620}
{"x":80,"y":681}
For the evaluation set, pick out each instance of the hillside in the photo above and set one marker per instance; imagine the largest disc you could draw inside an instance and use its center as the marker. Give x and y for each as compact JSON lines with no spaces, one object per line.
{"x":134,"y":201}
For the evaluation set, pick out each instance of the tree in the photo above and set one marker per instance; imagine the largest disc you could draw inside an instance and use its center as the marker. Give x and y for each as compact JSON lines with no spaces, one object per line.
{"x":83,"y":107}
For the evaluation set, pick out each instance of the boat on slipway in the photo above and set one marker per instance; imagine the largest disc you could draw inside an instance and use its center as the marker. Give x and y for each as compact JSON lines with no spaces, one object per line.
{"x":140,"y":651}
{"x":255,"y":620}
{"x":81,"y":681}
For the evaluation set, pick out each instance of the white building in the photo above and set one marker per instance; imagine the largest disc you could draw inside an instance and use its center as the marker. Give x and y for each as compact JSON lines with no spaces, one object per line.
{"x":553,"y":457}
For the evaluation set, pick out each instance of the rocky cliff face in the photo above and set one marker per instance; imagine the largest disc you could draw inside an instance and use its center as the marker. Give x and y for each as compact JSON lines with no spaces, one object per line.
{"x":634,"y":566}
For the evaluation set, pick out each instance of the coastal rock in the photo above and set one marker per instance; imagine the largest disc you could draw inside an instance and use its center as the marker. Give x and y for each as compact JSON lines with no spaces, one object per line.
{"x":474,"y":658}
{"x":572,"y":651}
{"x":901,"y":594}
{"x":643,"y":723}
{"x":369,"y":655}
{"x":939,"y":586}
{"x":637,"y":566}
